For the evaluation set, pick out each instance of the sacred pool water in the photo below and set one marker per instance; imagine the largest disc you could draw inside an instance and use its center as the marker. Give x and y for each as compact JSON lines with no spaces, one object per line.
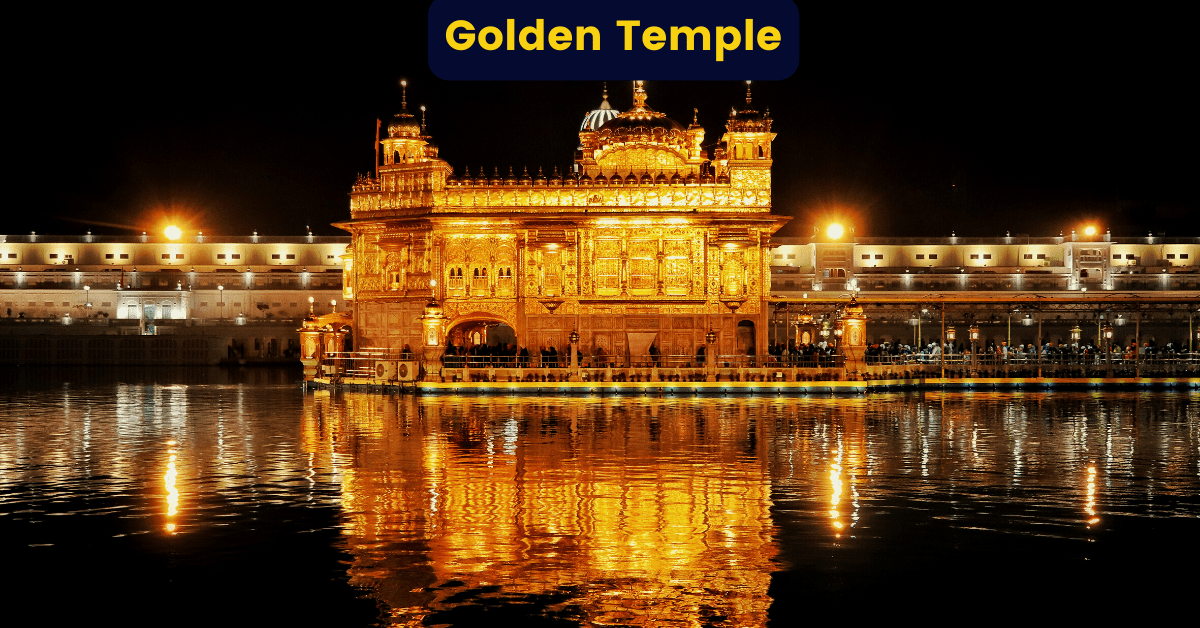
{"x":179,"y":497}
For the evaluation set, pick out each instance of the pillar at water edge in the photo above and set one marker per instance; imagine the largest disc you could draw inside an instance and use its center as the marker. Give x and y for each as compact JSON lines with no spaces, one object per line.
{"x":310,"y":347}
{"x":431,"y":338}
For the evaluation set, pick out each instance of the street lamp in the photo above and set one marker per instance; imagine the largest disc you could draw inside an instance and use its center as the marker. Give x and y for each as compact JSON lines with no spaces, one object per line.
{"x":973,"y":333}
{"x":333,"y":306}
{"x":1076,"y":334}
{"x":1107,"y":332}
{"x":221,"y":292}
{"x":87,"y":299}
{"x":947,"y":339}
{"x":311,"y":307}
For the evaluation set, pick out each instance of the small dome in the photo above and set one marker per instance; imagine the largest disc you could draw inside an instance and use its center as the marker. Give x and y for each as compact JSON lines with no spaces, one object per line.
{"x":660,"y":179}
{"x":615,"y":180}
{"x":585,"y":181}
{"x":556,"y":179}
{"x":511,"y":179}
{"x":525,"y":180}
{"x":691,"y":179}
{"x":404,"y":124}
{"x":706,"y":178}
{"x":631,"y":179}
{"x":601,"y":180}
{"x":451,"y":180}
{"x":540,"y":179}
{"x":482,"y":179}
{"x":496,"y":180}
{"x":723,"y":179}
{"x":597,"y":117}
{"x":676,"y":179}
{"x":647,"y":179}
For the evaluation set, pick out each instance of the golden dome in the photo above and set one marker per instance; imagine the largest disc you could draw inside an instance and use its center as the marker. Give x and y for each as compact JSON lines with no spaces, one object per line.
{"x":404,"y":124}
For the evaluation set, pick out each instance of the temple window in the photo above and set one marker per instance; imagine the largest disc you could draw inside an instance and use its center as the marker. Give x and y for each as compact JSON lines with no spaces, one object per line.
{"x":643,"y":267}
{"x":608,"y":267}
{"x":454,"y":280}
{"x":551,"y":273}
{"x":479,"y":281}
{"x":504,"y":282}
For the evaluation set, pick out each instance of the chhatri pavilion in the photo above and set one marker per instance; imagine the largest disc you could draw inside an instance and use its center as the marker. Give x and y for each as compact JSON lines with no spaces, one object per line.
{"x":652,"y":239}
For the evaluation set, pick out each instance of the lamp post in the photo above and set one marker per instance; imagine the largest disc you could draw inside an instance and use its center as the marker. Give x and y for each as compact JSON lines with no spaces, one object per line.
{"x":87,"y":299}
{"x":221,"y":292}
{"x":573,"y":338}
{"x":973,"y":332}
{"x":1076,"y":334}
{"x":332,"y":306}
{"x":949,"y":334}
{"x":311,"y":310}
{"x":1108,"y":336}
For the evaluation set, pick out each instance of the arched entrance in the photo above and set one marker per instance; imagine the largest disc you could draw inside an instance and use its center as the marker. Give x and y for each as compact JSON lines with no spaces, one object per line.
{"x":481,"y":342}
{"x":481,"y":333}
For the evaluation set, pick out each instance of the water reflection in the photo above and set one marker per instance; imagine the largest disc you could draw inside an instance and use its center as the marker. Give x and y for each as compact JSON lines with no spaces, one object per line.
{"x":605,"y":514}
{"x":172,"y":492}
{"x":603,"y":511}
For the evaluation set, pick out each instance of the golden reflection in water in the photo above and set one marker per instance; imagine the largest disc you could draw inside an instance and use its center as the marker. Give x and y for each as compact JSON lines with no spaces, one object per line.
{"x":169,"y":482}
{"x":1090,"y":505}
{"x":835,"y":480}
{"x":649,"y":516}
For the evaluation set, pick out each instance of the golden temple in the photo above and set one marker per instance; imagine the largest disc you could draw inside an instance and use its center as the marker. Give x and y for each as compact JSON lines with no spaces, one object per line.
{"x":653,"y":239}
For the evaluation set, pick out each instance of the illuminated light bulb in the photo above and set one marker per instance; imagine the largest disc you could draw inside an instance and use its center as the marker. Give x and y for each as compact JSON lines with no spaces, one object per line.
{"x":835,"y":231}
{"x":173,"y":232}
{"x":1089,"y":231}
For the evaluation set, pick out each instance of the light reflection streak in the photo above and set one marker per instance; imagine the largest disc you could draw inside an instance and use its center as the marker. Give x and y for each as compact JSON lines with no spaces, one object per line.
{"x":169,"y":482}
{"x":835,"y":480}
{"x":1090,"y":504}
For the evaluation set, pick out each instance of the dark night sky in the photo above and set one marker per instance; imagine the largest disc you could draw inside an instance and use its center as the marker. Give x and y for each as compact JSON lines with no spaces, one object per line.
{"x":909,"y":123}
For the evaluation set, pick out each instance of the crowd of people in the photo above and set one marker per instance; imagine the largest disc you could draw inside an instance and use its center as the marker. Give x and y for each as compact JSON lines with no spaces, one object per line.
{"x":1082,"y":352}
{"x":810,"y":355}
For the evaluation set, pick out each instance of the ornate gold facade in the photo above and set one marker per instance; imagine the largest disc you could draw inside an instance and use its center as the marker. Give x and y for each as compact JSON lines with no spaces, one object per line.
{"x":651,"y":236}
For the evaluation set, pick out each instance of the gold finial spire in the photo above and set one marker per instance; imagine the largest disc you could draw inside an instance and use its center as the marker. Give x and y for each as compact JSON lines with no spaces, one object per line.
{"x":747,"y":92}
{"x":639,"y":95}
{"x":422,"y":119}
{"x":695,"y":116}
{"x":403,"y":95}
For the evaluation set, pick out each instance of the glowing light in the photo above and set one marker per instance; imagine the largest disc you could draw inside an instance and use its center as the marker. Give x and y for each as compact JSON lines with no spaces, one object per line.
{"x":169,"y":483}
{"x":1089,"y":506}
{"x":835,"y":231}
{"x":173,"y":232}
{"x":1089,"y":230}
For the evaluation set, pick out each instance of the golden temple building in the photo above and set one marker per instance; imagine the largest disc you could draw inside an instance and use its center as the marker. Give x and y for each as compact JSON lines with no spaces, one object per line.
{"x":655,"y":238}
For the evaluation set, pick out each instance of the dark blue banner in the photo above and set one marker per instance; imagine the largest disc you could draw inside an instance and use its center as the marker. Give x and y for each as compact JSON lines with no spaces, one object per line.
{"x":470,"y":40}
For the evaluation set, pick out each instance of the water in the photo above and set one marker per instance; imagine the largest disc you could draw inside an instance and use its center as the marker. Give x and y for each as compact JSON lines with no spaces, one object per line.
{"x":199,"y":495}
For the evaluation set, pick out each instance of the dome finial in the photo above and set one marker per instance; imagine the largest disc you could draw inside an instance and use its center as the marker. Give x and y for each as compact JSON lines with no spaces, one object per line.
{"x":422,"y":119}
{"x":695,"y":116}
{"x":639,"y":95}
{"x":747,"y":92}
{"x":403,"y":95}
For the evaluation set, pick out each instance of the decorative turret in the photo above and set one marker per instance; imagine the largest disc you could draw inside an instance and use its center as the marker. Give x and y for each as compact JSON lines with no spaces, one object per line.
{"x":406,"y":141}
{"x":744,"y":155}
